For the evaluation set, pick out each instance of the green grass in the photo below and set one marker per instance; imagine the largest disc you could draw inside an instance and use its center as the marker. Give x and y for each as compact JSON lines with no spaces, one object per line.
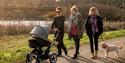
{"x":13,"y":49}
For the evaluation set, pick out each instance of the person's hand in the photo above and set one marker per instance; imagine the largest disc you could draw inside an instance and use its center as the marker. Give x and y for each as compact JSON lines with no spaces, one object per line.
{"x":55,"y":29}
{"x":96,"y":30}
{"x":51,"y":30}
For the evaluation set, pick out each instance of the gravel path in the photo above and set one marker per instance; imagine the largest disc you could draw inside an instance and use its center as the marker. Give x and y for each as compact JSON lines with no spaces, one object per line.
{"x":85,"y":54}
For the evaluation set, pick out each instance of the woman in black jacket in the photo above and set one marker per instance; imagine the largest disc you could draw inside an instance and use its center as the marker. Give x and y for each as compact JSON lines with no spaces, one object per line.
{"x":58,"y":26}
{"x":94,"y":28}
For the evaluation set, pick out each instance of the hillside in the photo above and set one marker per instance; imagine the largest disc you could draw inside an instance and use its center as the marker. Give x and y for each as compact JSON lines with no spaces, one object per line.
{"x":39,"y":9}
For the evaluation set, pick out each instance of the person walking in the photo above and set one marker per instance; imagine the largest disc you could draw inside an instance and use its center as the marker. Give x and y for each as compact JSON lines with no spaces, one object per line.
{"x":58,"y":26}
{"x":75,"y":28}
{"x":94,"y":28}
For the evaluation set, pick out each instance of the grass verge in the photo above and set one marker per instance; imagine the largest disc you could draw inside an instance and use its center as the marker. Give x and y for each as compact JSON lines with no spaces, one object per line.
{"x":14,"y":48}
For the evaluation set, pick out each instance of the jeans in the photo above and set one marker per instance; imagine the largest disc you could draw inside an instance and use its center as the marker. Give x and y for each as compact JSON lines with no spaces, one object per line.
{"x":94,"y":42}
{"x":77,"y":43}
{"x":59,"y":38}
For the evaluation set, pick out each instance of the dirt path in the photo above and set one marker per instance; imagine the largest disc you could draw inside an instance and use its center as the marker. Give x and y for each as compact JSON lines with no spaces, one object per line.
{"x":84,"y":56}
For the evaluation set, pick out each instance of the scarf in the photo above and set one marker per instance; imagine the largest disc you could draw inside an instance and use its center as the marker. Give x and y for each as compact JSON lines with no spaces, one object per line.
{"x":93,"y":21}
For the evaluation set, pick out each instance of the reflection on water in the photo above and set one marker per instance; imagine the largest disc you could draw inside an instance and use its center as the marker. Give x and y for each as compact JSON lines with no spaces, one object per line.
{"x":25,"y":22}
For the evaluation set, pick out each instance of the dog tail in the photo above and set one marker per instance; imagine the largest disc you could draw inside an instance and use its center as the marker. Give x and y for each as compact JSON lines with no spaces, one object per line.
{"x":120,"y":47}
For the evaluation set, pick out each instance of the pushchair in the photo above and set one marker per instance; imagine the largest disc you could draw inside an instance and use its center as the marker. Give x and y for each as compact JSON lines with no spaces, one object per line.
{"x":40,"y":40}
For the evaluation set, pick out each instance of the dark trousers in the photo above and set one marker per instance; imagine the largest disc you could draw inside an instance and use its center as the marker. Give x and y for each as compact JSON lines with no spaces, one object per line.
{"x":59,"y":37}
{"x":94,"y":42}
{"x":77,"y":43}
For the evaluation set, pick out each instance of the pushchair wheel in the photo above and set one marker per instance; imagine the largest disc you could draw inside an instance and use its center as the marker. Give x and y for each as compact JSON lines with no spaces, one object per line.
{"x":28,"y":58}
{"x":32,"y":59}
{"x":53,"y":58}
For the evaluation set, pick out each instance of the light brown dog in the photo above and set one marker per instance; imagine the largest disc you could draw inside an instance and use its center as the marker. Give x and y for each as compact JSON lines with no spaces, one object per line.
{"x":111,"y":48}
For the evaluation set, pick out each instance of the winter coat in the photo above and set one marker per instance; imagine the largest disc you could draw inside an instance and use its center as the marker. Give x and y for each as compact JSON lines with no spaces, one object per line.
{"x":88,"y":26}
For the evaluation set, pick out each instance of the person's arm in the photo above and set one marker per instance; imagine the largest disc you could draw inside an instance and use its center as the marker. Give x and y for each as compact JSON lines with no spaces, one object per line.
{"x":101,"y":25}
{"x":53,"y":24}
{"x":69,"y":24}
{"x":80,"y":25}
{"x":64,"y":23}
{"x":64,"y":19}
{"x":87,"y":24}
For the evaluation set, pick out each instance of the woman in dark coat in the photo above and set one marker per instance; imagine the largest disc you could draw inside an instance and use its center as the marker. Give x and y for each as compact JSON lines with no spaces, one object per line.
{"x":58,"y":26}
{"x":94,"y":28}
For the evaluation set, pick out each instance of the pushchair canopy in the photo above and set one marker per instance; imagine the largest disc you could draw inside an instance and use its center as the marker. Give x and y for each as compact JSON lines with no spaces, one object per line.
{"x":40,"y":31}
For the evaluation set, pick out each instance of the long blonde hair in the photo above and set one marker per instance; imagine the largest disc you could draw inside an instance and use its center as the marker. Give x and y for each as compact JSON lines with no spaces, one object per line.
{"x":93,"y":9}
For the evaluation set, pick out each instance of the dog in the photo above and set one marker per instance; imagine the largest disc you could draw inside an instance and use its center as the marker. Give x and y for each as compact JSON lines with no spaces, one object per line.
{"x":111,"y":48}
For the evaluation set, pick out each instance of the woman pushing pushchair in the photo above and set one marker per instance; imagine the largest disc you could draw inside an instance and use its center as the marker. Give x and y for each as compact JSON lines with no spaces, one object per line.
{"x":58,"y":27}
{"x":38,"y":42}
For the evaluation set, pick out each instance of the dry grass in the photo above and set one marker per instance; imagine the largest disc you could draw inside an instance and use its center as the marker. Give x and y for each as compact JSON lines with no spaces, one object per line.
{"x":16,"y":29}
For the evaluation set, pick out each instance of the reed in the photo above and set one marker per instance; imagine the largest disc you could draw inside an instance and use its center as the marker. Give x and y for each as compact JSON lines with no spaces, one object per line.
{"x":25,"y":28}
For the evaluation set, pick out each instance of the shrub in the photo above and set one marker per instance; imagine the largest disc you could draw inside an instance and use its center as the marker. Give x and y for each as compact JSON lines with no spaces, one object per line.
{"x":109,"y":25}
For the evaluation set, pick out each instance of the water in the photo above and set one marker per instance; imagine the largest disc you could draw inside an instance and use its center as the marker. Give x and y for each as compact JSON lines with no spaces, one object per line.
{"x":25,"y":22}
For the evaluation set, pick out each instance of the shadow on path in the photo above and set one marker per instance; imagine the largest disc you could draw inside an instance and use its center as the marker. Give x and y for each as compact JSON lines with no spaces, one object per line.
{"x":119,"y":60}
{"x":85,"y":59}
{"x":105,"y":60}
{"x":70,"y":60}
{"x":81,"y":58}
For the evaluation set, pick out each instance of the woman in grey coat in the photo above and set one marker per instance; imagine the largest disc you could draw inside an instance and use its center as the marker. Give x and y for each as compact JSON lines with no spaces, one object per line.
{"x":75,"y":28}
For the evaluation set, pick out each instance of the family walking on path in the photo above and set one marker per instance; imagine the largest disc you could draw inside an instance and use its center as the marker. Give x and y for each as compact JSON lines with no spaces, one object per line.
{"x":76,"y":26}
{"x":93,"y":26}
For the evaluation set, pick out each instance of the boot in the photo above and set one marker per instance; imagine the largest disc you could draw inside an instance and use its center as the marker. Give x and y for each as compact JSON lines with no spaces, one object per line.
{"x":92,"y":57}
{"x":66,"y":52}
{"x":96,"y":54}
{"x":75,"y":56}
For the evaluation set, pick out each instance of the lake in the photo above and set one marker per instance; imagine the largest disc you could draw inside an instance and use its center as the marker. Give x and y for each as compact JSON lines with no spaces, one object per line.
{"x":25,"y":22}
